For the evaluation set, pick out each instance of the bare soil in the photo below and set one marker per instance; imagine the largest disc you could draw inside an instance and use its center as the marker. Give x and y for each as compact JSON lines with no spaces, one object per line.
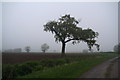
{"x":13,"y":58}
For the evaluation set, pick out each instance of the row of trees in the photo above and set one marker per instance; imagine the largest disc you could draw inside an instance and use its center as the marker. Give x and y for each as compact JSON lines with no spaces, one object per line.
{"x":44,"y":48}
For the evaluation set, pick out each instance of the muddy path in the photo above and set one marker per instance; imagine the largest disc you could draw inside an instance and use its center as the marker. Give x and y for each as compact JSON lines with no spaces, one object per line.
{"x":107,"y":69}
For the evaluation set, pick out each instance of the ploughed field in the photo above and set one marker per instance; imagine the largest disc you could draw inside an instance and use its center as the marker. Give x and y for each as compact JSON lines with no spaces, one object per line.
{"x":13,"y":58}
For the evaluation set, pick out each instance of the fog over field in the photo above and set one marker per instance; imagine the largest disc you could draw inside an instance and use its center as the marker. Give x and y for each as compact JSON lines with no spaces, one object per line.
{"x":22,"y":24}
{"x":1,"y":26}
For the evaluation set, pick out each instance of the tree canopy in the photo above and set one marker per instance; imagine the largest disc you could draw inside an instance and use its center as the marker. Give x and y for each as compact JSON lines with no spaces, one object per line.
{"x":27,"y":48}
{"x":65,"y":29}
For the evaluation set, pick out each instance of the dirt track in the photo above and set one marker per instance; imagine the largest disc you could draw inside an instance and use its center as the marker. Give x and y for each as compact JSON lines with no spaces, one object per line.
{"x":107,"y":69}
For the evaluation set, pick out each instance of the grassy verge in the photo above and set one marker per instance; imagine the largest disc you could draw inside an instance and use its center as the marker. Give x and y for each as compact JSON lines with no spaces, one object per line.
{"x":71,"y":70}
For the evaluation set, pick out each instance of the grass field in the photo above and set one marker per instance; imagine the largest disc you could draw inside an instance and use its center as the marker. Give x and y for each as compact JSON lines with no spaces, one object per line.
{"x":72,"y":66}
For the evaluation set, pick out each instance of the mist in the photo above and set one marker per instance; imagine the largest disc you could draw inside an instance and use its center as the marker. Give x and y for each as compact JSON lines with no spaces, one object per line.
{"x":22,"y":24}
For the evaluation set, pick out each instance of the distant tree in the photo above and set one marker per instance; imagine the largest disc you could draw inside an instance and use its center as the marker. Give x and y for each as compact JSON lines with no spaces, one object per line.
{"x":66,"y":30}
{"x":85,"y":51}
{"x":17,"y":50}
{"x":9,"y":50}
{"x":44,"y":47}
{"x":117,"y":48}
{"x":27,"y":49}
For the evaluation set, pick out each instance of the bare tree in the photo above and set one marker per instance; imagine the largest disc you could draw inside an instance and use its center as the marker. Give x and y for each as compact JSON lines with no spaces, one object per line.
{"x":27,"y":48}
{"x":44,"y":47}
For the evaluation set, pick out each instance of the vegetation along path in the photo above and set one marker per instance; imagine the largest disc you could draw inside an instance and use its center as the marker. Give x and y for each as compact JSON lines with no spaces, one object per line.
{"x":107,"y":69}
{"x":72,"y":66}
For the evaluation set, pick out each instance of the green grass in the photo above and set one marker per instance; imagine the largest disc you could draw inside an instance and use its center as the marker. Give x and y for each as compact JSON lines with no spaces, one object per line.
{"x":71,"y":70}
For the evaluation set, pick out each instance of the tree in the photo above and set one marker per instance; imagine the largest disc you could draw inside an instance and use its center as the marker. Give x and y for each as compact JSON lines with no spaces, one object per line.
{"x":27,"y":49}
{"x":66,"y":30}
{"x":44,"y":47}
{"x":85,"y":51}
{"x":117,"y":48}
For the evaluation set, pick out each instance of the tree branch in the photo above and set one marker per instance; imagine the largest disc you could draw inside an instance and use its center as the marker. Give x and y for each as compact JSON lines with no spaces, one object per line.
{"x":58,"y":35}
{"x":71,"y":40}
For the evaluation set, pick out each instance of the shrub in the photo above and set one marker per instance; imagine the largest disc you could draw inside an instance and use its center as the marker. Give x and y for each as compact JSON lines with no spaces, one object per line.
{"x":48,"y":63}
{"x":38,"y":67}
{"x":62,"y":61}
{"x":13,"y":71}
{"x":8,"y":72}
{"x":32,"y":64}
{"x":52,"y":62}
{"x":23,"y":69}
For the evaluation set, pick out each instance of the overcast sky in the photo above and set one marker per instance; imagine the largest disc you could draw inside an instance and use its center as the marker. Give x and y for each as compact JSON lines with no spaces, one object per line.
{"x":23,"y":24}
{"x":1,"y":26}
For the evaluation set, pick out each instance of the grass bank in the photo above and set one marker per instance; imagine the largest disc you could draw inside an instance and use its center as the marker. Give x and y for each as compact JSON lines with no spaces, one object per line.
{"x":71,"y":70}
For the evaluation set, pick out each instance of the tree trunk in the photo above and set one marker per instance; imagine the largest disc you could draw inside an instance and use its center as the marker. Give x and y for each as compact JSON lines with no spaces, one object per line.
{"x":63,"y":49}
{"x":43,"y":51}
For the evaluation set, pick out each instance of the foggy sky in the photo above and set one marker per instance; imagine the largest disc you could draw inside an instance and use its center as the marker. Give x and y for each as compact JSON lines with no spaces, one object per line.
{"x":22,"y":24}
{"x":0,"y":26}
